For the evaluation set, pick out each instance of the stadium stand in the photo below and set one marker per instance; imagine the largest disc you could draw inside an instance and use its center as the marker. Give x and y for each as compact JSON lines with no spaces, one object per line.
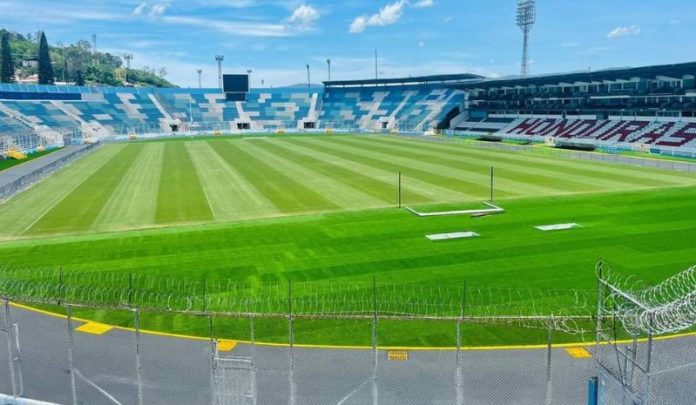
{"x":672,"y":134}
{"x":653,"y":106}
{"x":416,"y":104}
{"x":195,"y":105}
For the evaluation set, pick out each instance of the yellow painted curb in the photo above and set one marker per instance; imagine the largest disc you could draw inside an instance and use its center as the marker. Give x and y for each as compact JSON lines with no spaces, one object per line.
{"x":355,"y":347}
{"x":226,"y":345}
{"x":94,"y":328}
{"x":578,"y":352}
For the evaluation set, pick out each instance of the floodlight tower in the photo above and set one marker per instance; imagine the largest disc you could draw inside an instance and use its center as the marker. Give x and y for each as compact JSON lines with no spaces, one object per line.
{"x":200,"y":83}
{"x":526,"y":17}
{"x":309,"y":80}
{"x":249,"y":78}
{"x":219,"y":59}
{"x":128,"y":57}
{"x":328,"y":63}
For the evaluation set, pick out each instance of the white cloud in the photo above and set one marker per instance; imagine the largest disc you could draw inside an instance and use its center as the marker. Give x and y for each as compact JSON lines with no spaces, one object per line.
{"x":158,"y":9}
{"x":424,"y":3}
{"x":304,"y":18}
{"x":140,"y":9}
{"x":387,"y":15}
{"x":624,"y":31}
{"x":249,"y":29}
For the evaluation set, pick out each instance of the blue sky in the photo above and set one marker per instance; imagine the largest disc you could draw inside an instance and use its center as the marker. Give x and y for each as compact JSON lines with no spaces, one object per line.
{"x":277,"y":38}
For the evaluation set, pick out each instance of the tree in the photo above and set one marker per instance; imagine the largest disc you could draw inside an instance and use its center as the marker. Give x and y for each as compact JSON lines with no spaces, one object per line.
{"x":79,"y":78}
{"x":46,"y":75}
{"x":7,"y":66}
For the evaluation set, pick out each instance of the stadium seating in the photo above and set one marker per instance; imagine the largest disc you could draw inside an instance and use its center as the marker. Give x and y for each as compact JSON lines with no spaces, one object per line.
{"x":276,"y":110}
{"x":411,"y":107}
{"x":659,"y":133}
{"x":196,"y":105}
{"x":483,"y":125}
{"x":43,"y":113}
{"x":35,"y":115}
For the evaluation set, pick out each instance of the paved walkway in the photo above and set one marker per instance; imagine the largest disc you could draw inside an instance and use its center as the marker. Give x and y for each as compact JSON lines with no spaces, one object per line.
{"x":179,"y":370}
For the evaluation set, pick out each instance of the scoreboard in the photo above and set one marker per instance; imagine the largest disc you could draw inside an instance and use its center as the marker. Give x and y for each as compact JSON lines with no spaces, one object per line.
{"x":235,"y":87}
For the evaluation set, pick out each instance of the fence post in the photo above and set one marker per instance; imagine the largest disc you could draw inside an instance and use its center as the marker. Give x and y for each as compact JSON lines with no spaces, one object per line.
{"x":252,"y":337}
{"x":549,"y":342}
{"x":598,"y":321}
{"x":460,"y":388}
{"x":71,"y":355}
{"x":138,"y":366}
{"x":375,"y":389}
{"x":10,"y":361}
{"x":648,"y":363}
{"x":291,"y":352}
{"x":213,"y":357}
{"x":20,"y":374}
{"x":460,"y":376}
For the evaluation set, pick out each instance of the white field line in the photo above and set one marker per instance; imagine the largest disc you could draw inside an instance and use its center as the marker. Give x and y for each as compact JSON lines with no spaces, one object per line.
{"x":494,"y":209}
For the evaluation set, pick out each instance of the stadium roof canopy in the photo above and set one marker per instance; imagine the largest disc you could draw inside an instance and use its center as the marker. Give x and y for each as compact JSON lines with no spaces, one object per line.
{"x":404,"y":81}
{"x":675,"y":71}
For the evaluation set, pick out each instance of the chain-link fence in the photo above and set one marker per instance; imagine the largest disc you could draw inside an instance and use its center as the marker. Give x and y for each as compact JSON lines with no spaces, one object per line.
{"x":96,"y":338}
{"x":68,"y":359}
{"x":16,"y":180}
{"x":635,"y":365}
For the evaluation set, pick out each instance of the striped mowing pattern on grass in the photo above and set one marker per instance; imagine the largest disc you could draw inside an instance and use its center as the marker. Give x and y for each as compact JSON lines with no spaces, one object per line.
{"x":141,"y":185}
{"x":79,"y":209}
{"x":134,"y":201}
{"x":24,"y":210}
{"x":230,"y":195}
{"x":181,"y":197}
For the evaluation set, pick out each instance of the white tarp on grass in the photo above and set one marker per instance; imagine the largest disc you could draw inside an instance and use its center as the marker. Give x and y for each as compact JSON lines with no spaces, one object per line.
{"x":493,"y":209}
{"x":454,"y":235}
{"x":557,"y":227}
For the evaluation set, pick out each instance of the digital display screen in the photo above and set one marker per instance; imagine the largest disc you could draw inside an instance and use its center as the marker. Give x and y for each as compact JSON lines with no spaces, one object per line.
{"x":235,"y":83}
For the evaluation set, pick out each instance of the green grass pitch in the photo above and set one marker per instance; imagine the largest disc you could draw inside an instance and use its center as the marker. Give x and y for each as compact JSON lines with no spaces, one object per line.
{"x":322,"y":208}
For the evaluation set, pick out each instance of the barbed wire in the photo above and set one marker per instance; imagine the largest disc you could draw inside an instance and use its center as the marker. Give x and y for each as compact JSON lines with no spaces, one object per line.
{"x":667,"y":307}
{"x":524,"y":307}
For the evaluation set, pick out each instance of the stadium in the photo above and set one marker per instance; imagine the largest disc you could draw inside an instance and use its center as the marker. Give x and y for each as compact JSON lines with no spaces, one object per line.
{"x":446,"y":238}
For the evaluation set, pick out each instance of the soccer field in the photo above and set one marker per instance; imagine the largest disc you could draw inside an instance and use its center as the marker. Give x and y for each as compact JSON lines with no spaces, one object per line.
{"x":323,"y":209}
{"x":161,"y":184}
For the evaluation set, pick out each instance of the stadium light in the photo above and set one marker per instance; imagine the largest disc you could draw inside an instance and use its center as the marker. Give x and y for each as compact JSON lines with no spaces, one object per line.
{"x":328,"y":63}
{"x":376,"y":73}
{"x":128,"y":57}
{"x":309,"y":81}
{"x":200,"y":72}
{"x":526,"y":17}
{"x":219,"y":59}
{"x":249,"y":73}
